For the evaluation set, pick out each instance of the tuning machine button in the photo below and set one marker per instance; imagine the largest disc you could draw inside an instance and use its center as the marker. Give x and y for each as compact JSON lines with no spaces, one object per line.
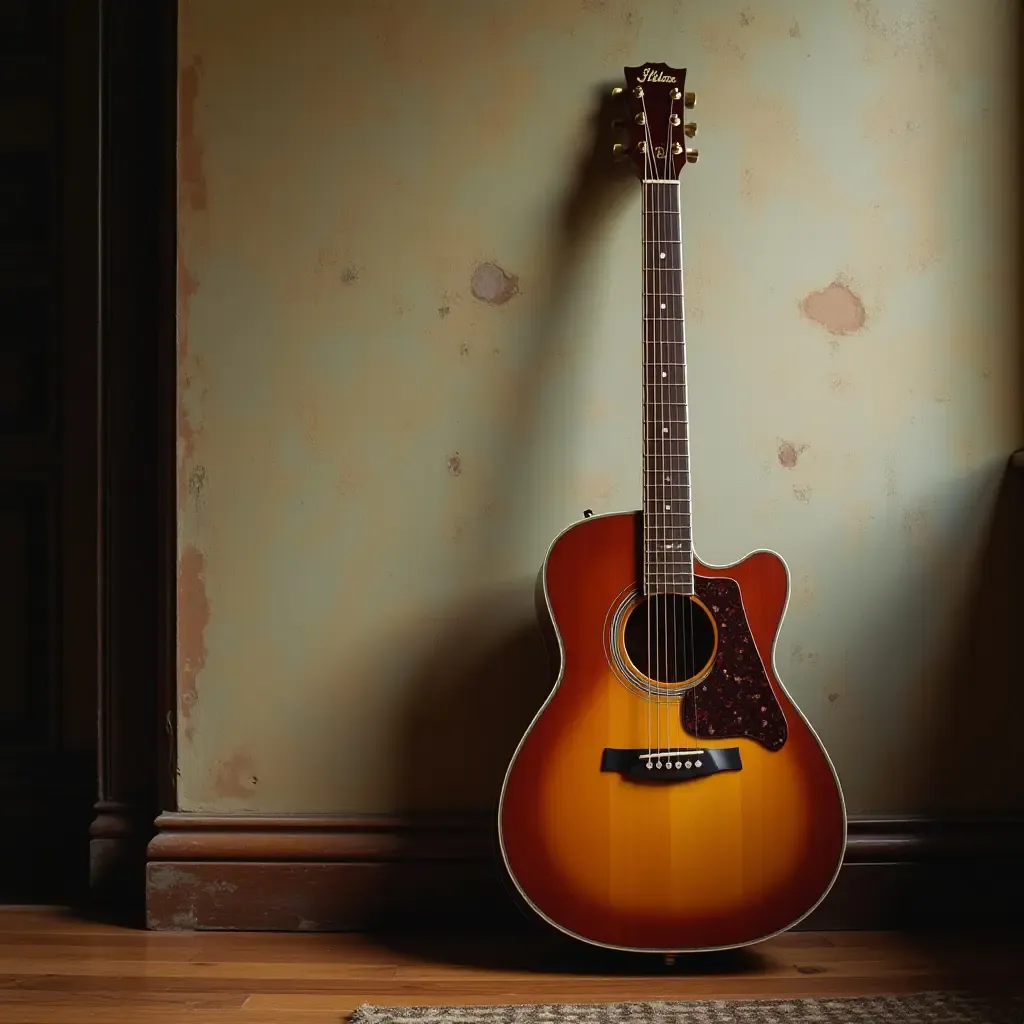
{"x":690,"y":100}
{"x":619,"y":151}
{"x":692,"y":156}
{"x":617,"y":91}
{"x":690,"y":129}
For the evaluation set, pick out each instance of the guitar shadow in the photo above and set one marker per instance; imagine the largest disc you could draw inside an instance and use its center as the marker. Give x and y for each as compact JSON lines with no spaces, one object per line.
{"x":481,"y":675}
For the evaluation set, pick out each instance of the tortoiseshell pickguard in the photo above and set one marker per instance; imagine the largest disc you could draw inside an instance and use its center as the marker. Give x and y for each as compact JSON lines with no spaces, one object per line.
{"x":736,"y":697}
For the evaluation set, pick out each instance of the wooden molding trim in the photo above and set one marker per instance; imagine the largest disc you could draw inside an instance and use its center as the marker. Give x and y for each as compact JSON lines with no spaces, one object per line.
{"x":334,"y":873}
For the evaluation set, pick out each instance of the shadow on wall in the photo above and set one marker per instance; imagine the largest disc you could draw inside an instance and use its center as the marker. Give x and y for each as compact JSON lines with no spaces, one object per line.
{"x":976,"y":759}
{"x":482,"y":672}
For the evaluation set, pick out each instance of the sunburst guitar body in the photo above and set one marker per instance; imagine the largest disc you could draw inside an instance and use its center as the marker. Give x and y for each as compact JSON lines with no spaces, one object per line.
{"x":669,"y":796}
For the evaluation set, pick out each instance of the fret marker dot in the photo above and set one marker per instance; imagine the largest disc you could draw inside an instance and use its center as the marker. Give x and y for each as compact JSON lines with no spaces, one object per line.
{"x":663,"y":305}
{"x":664,"y":373}
{"x":661,"y":255}
{"x":664,"y":430}
{"x":667,"y":507}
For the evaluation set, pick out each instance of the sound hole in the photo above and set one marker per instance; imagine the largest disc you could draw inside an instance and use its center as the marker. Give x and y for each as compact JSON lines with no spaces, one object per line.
{"x":669,"y":637}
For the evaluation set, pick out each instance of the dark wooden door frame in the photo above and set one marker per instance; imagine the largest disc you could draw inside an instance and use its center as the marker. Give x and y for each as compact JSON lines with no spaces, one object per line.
{"x":137,"y":75}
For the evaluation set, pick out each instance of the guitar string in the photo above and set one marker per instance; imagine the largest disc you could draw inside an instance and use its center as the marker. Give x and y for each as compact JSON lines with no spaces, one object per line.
{"x":682,"y":452}
{"x":687,"y":462}
{"x":688,"y":561}
{"x":646,"y":475}
{"x":670,"y":503}
{"x":651,"y":365}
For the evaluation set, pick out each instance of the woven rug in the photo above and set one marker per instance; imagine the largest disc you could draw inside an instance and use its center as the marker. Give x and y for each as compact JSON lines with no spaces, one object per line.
{"x":926,"y":1008}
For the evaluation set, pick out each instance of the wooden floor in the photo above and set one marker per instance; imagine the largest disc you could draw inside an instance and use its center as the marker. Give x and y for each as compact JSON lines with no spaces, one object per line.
{"x":56,"y":968}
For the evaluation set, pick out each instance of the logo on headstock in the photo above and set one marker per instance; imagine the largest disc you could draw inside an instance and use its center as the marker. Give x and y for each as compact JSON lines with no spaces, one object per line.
{"x":650,"y":75}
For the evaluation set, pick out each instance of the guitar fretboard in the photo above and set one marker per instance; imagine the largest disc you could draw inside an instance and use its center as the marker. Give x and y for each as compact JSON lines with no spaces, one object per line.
{"x":668,"y":548}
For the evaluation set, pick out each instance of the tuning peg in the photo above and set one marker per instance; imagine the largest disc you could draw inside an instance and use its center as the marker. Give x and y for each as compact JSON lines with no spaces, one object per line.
{"x":619,"y":151}
{"x":690,"y":129}
{"x":617,"y":91}
{"x":691,"y":156}
{"x":689,"y":100}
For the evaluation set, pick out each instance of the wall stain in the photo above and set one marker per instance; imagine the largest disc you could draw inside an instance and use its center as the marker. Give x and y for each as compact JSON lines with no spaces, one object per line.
{"x":463,"y":350}
{"x":234,"y":777}
{"x":455,"y":464}
{"x":193,"y":618}
{"x":833,"y":697}
{"x":789,"y":453}
{"x":745,"y":19}
{"x":443,"y":311}
{"x":802,"y":494}
{"x":196,"y":484}
{"x":493,"y":285}
{"x":187,"y":287}
{"x":836,"y":308}
{"x":350,"y":275}
{"x":794,"y":30}
{"x":190,"y":149}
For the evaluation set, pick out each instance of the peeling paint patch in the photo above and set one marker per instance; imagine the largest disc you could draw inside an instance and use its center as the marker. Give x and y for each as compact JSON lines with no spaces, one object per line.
{"x":187,"y":287}
{"x":190,"y":150}
{"x":789,"y":453}
{"x":836,"y":308}
{"x":234,"y":777}
{"x":493,"y":285}
{"x":455,"y":464}
{"x":193,"y":618}
{"x":745,"y":19}
{"x":196,"y":484}
{"x":802,"y":494}
{"x":163,"y":878}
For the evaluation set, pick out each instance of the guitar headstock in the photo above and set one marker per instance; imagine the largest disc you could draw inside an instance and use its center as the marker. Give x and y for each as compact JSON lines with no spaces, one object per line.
{"x":655,"y":104}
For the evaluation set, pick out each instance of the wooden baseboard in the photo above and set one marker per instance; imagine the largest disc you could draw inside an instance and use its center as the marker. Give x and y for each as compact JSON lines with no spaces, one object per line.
{"x":322,"y":873}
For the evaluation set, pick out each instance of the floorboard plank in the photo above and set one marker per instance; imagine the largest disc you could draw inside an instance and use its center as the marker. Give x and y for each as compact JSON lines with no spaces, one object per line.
{"x":60,"y":969}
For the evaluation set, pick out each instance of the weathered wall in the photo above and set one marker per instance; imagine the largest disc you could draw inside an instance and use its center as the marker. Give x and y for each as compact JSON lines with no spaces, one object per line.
{"x":403,"y":368}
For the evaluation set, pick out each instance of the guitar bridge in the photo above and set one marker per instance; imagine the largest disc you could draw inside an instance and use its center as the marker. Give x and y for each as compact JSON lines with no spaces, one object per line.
{"x":675,"y":764}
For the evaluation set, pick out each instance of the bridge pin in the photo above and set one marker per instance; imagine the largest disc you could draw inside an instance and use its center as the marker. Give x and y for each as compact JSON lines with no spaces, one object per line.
{"x":659,"y":764}
{"x":689,"y":764}
{"x":696,"y":764}
{"x":679,"y":764}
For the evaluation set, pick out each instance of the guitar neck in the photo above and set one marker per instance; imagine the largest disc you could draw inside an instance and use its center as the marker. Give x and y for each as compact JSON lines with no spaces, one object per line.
{"x":668,"y":546}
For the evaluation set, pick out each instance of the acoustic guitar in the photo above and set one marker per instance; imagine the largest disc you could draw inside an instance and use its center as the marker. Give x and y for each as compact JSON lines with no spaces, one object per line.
{"x":669,"y":796}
